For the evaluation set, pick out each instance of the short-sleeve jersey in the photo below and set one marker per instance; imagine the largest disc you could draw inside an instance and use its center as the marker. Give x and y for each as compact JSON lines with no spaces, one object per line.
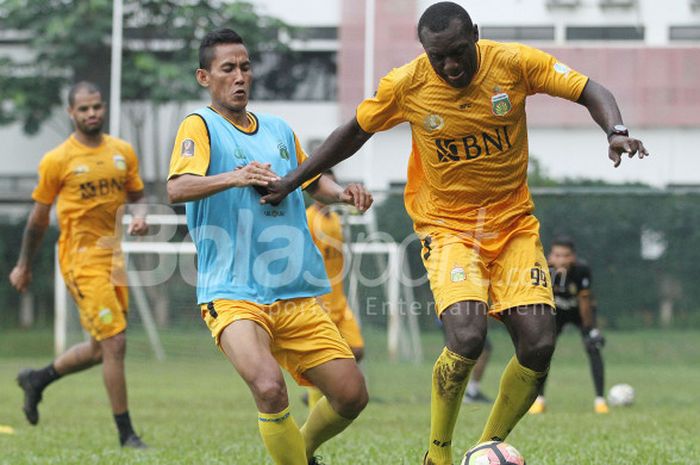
{"x":246,"y":250}
{"x":469,"y":158}
{"x":327,"y":233}
{"x":90,"y":185}
{"x":567,"y":285}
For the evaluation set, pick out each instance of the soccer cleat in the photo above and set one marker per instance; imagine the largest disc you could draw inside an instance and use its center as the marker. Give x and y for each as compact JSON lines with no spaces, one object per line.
{"x":315,"y":461}
{"x":478,"y":398}
{"x":132,"y":441}
{"x":601,"y":407}
{"x":537,"y":407}
{"x":32,"y":396}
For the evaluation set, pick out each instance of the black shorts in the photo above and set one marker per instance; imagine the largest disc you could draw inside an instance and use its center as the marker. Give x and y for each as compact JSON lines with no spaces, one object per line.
{"x":565,"y":317}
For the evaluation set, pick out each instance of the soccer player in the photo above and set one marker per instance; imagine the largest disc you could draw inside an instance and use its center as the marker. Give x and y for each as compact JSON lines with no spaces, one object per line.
{"x":473,"y":394}
{"x":327,"y":232}
{"x":259,"y":271}
{"x":468,"y":197}
{"x":91,"y":176}
{"x":571,"y":282}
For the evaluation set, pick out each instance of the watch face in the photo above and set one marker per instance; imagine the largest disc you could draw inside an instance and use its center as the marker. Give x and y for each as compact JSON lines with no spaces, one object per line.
{"x":620,"y":128}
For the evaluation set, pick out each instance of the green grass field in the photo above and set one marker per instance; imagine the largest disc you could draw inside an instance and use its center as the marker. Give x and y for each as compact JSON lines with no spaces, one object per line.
{"x":193,"y":409}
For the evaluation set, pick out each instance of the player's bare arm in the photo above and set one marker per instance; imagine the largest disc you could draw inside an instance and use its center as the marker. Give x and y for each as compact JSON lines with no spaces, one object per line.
{"x":327,"y":191}
{"x":602,"y":106}
{"x":38,"y":222}
{"x":586,"y":309}
{"x":345,"y":141}
{"x":189,"y":187}
{"x":138,"y":225}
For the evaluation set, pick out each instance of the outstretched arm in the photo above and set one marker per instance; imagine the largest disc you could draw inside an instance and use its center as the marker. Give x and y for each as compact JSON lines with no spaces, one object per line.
{"x":38,"y":222}
{"x":602,"y":106}
{"x":341,"y":144}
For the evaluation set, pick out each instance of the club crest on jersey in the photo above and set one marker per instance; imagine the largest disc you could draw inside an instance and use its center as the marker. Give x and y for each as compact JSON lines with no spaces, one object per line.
{"x":238,"y":153}
{"x":284,"y":153}
{"x":106,"y":316}
{"x":433,"y":123}
{"x":573,"y":289}
{"x":81,"y":169}
{"x":119,"y":162}
{"x":458,"y":274}
{"x":500,"y":104}
{"x":187,"y":148}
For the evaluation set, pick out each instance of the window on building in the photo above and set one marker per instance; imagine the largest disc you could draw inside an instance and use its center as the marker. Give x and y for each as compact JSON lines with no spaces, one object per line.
{"x":296,"y":76}
{"x":517,"y":33}
{"x":605,"y":33}
{"x":684,"y":33}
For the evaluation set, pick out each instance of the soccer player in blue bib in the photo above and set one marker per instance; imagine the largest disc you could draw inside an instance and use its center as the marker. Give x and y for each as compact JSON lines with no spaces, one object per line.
{"x":259,"y":272}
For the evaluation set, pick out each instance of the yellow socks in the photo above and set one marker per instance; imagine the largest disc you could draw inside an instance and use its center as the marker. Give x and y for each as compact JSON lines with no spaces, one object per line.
{"x":516,"y":393}
{"x":282,"y":438}
{"x":450,"y":376}
{"x":315,"y":395}
{"x":323,"y":423}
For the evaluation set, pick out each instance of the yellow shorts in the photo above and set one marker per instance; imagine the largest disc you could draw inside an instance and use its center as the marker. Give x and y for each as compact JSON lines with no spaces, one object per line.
{"x":301,"y":333}
{"x":341,"y":315}
{"x":102,"y":304}
{"x":507,"y":268}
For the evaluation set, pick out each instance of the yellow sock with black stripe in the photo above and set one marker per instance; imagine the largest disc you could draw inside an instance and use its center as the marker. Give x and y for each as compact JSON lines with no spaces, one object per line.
{"x":315,"y":395}
{"x":450,"y":375}
{"x":282,"y":438}
{"x":516,"y":394}
{"x":323,"y":423}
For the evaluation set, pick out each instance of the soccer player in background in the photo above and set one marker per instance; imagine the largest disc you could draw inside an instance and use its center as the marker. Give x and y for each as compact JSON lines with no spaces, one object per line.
{"x":327,"y":232}
{"x":259,"y":272}
{"x":91,"y":176}
{"x":473,"y":393}
{"x":468,"y":197}
{"x":571,"y":283}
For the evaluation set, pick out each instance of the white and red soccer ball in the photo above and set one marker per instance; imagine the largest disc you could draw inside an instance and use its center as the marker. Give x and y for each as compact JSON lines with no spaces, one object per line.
{"x":493,"y":453}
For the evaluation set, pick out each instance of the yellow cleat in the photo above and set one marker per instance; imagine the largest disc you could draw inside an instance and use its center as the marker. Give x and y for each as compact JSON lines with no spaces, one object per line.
{"x":6,"y":429}
{"x":537,"y":407}
{"x":601,"y":407}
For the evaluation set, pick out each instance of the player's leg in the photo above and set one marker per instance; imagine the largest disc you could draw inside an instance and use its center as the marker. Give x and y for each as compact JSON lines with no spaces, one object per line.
{"x":247,"y":346}
{"x":540,"y":404}
{"x":473,"y":392}
{"x":532,"y":329}
{"x":344,"y":397}
{"x":595,"y":359}
{"x":33,"y":382}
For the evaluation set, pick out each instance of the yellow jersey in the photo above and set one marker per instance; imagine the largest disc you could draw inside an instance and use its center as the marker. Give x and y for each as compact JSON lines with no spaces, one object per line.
{"x":91,"y":184}
{"x":468,"y":166}
{"x":327,"y":233}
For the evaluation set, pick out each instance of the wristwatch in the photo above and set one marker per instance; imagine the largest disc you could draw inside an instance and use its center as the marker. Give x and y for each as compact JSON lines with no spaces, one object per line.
{"x":619,"y":130}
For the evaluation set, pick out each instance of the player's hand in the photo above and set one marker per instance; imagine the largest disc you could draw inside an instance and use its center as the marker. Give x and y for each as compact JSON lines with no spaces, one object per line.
{"x":21,"y":277}
{"x":253,"y":174}
{"x":357,"y":195}
{"x":594,"y":339}
{"x":619,"y":145}
{"x":277,"y":191}
{"x":138,"y":227}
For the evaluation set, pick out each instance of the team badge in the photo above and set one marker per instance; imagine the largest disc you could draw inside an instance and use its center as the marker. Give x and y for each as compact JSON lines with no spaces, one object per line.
{"x":500,"y":104}
{"x":187,"y":148}
{"x":573,"y":289}
{"x":433,"y":123}
{"x":458,"y":274}
{"x":106,"y":316}
{"x":238,"y":153}
{"x":284,"y":153}
{"x":561,"y":68}
{"x":81,"y":169}
{"x":119,"y":162}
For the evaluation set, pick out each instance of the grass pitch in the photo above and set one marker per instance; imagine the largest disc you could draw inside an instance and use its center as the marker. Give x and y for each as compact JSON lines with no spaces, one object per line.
{"x":193,"y":408}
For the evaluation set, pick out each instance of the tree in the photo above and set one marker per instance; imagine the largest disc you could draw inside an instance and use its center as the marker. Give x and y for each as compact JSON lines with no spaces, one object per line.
{"x":70,"y":40}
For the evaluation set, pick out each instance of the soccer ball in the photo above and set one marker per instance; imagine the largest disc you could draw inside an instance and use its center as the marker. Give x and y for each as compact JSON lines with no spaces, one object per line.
{"x":493,"y":453}
{"x":621,"y":395}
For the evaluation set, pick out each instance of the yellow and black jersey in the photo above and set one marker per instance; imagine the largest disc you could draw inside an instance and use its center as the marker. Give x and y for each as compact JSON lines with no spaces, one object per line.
{"x":90,"y":185}
{"x":468,"y":165}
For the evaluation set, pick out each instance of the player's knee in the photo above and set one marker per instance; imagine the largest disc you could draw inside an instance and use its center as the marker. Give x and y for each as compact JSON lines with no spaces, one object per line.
{"x":467,"y":342}
{"x":114,"y":347}
{"x":352,"y":400}
{"x":537,"y":353}
{"x":270,"y":393}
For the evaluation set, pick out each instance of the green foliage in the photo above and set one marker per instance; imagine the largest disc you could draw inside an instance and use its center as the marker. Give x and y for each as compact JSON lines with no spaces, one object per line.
{"x":70,"y":41}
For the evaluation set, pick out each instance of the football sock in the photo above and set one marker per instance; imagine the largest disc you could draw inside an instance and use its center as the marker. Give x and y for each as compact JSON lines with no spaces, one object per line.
{"x":123,"y":422}
{"x":323,"y":423}
{"x":315,"y":395}
{"x":597,"y":371}
{"x":473,"y":387}
{"x":450,"y":376}
{"x":516,"y":393}
{"x":45,"y":376}
{"x":282,"y":438}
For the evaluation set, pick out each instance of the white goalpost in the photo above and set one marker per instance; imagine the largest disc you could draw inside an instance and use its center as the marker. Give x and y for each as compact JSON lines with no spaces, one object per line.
{"x":403,"y":334}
